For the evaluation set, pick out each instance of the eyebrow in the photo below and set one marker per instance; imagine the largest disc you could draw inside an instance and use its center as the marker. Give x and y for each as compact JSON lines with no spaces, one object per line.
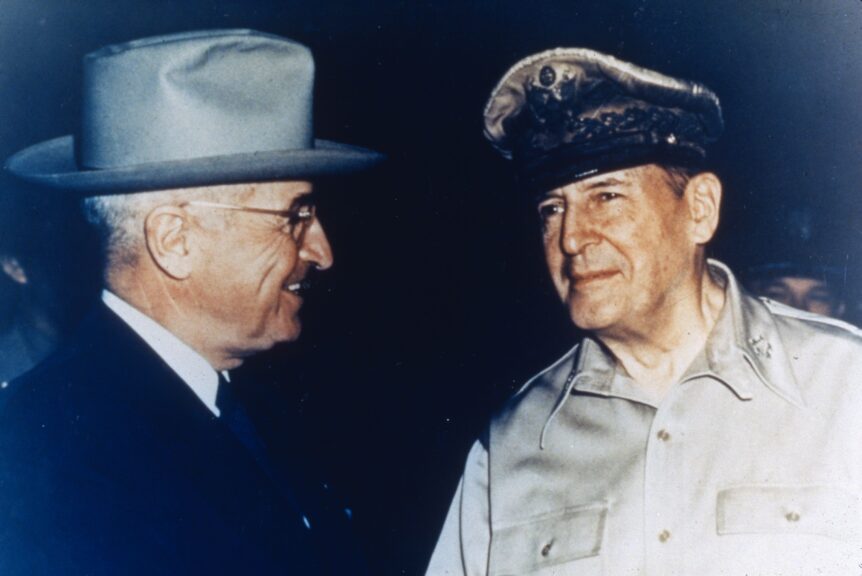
{"x":603,"y":183}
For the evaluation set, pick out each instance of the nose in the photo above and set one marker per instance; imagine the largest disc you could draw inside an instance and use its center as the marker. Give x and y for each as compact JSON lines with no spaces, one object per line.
{"x":577,"y":232}
{"x":315,"y":247}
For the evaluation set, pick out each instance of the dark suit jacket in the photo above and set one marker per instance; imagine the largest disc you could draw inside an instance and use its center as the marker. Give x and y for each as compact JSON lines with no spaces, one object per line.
{"x":109,"y":464}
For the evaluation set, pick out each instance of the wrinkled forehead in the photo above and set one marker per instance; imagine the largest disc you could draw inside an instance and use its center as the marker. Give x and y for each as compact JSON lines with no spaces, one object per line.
{"x":644,"y":176}
{"x":277,"y":193}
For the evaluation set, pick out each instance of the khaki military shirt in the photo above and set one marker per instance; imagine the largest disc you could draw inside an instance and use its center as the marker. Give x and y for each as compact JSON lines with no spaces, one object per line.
{"x":750,"y":465}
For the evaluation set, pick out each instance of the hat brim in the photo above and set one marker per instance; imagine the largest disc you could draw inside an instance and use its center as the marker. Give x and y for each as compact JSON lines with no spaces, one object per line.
{"x":52,"y":164}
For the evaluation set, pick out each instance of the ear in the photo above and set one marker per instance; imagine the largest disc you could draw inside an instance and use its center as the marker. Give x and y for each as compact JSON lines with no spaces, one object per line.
{"x":703,"y":196}
{"x":167,"y":230}
{"x":13,"y":269}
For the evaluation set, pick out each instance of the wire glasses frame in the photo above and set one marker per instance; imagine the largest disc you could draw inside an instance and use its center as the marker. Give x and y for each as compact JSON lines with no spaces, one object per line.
{"x":298,"y":218}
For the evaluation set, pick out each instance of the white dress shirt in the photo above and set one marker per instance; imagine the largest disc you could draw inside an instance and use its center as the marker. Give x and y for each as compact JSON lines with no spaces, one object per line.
{"x":194,"y":370}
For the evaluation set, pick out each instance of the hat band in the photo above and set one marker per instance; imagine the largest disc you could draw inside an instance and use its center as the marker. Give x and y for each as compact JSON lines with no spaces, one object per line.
{"x":573,"y":162}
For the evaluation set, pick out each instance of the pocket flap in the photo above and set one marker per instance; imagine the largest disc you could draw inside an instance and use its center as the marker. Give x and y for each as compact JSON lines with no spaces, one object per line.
{"x":762,"y":509}
{"x":547,"y":540}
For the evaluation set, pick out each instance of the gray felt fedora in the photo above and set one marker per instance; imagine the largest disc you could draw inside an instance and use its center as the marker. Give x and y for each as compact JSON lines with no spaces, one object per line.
{"x":192,"y":109}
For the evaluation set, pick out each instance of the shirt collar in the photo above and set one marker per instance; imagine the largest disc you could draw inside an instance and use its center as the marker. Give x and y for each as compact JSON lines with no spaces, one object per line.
{"x":190,"y":366}
{"x":744,"y":352}
{"x":598,"y":373}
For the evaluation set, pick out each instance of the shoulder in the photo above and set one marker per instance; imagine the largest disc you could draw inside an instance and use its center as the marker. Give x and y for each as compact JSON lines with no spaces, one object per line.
{"x":84,"y":357}
{"x":50,"y":382}
{"x":814,"y":321}
{"x":84,"y":383}
{"x":799,"y":328}
{"x":824,"y":356}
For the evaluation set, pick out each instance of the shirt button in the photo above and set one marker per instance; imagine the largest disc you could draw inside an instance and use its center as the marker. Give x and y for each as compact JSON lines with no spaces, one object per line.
{"x":792,"y":516}
{"x":663,"y":435}
{"x":663,"y":536}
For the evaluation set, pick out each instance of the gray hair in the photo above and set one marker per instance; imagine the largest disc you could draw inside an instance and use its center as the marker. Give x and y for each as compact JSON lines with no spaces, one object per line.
{"x":678,"y":176}
{"x":120,"y":229}
{"x":119,"y":219}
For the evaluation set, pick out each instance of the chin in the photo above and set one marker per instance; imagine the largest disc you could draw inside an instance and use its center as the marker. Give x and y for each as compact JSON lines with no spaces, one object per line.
{"x":275,"y":334}
{"x":290,"y":332}
{"x":292,"y":337}
{"x":593,"y":318}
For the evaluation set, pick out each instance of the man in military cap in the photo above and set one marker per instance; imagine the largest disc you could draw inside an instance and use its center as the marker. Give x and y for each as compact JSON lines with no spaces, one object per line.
{"x":694,"y":429}
{"x":127,"y":452}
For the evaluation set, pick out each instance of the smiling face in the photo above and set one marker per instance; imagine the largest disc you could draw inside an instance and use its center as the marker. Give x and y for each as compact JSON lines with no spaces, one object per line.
{"x":619,"y":248}
{"x":245,"y":286}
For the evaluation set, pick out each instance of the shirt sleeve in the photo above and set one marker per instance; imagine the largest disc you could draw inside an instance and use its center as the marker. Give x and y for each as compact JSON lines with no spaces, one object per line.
{"x":464,"y":544}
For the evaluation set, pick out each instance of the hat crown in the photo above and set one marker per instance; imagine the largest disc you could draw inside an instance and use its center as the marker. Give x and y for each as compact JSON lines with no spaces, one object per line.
{"x":195,"y":95}
{"x":570,"y":113}
{"x":563,"y":85}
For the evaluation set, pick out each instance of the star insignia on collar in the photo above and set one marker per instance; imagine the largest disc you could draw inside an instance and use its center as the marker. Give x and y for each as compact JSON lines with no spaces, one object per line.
{"x":761,"y":346}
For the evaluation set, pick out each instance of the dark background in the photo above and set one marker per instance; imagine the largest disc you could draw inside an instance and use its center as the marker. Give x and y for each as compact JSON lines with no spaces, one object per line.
{"x":438,"y":307}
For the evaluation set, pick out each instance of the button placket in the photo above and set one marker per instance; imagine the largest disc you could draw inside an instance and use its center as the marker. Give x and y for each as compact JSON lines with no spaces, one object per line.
{"x":662,"y":473}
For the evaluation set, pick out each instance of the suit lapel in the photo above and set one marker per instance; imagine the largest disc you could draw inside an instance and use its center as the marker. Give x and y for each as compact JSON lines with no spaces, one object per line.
{"x":203,"y":462}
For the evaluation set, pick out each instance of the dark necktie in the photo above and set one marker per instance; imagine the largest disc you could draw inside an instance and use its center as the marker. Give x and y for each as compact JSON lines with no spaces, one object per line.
{"x":236,"y":419}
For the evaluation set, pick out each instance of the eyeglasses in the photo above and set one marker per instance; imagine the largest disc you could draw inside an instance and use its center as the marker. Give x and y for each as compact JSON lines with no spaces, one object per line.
{"x":297,"y":218}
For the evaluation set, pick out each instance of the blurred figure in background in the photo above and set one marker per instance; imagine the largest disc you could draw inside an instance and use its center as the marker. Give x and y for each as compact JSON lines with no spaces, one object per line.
{"x":801,"y":269}
{"x":41,"y":291}
{"x":808,"y":286}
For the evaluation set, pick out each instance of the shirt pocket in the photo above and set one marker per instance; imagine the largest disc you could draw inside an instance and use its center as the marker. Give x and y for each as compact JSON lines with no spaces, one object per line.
{"x":530,"y":546}
{"x":815,"y":510}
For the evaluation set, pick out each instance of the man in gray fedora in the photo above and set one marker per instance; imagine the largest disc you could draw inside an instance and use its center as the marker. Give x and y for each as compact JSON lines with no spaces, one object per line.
{"x":694,"y":429}
{"x":126,"y":452}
